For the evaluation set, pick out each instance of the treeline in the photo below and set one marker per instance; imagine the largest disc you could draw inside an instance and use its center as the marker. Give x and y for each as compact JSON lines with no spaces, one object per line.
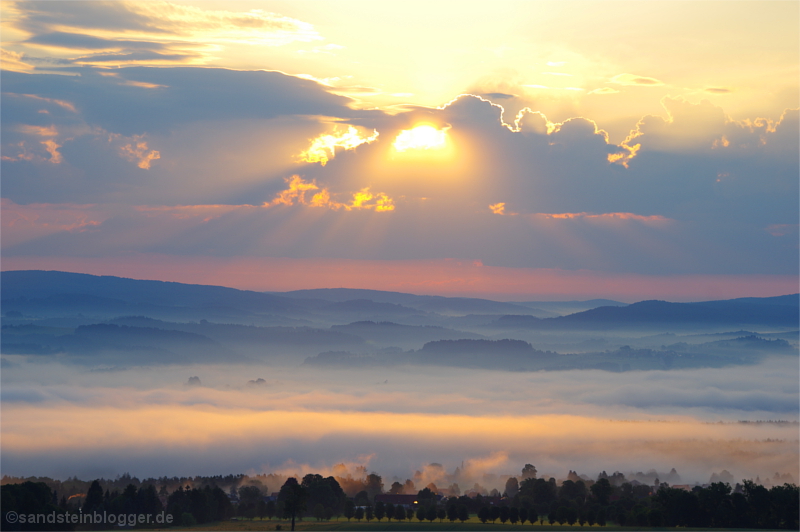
{"x":533,"y":500}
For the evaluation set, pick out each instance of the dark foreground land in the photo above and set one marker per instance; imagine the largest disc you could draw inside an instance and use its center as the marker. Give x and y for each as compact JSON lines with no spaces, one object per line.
{"x":473,"y":524}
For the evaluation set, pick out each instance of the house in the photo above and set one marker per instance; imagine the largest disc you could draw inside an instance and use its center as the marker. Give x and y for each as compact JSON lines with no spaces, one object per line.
{"x":406,"y":501}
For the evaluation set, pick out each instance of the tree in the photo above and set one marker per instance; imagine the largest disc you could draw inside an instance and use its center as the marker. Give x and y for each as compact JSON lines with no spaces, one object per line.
{"x":601,"y":517}
{"x":441,"y":514}
{"x":94,"y":498}
{"x":396,"y":488}
{"x":533,"y":515}
{"x":359,"y":514}
{"x":430,"y":513}
{"x":463,"y":513}
{"x":380,"y":511}
{"x":271,"y":510}
{"x":361,"y":498}
{"x":261,"y":509}
{"x":421,"y":514}
{"x":483,"y":514}
{"x":293,"y":496}
{"x":523,"y":515}
{"x":512,"y":487}
{"x":425,"y":497}
{"x":494,"y":513}
{"x":602,"y":490}
{"x":318,"y":512}
{"x":374,"y":485}
{"x":504,"y":514}
{"x":528,"y":472}
{"x":248,"y":501}
{"x":452,"y":513}
{"x":369,"y":513}
{"x":390,"y":512}
{"x":349,"y":510}
{"x":324,"y":491}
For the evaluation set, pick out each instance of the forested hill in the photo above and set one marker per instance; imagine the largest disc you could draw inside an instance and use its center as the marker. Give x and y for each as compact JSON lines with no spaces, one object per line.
{"x":781,"y":311}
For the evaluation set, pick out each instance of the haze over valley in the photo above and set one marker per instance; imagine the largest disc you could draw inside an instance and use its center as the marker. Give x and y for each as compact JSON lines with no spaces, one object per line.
{"x":302,"y":381}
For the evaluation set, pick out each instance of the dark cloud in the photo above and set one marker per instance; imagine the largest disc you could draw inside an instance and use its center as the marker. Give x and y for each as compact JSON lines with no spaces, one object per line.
{"x":187,"y":94}
{"x":86,"y":15}
{"x":499,"y":96}
{"x":79,"y":41}
{"x":148,"y":56}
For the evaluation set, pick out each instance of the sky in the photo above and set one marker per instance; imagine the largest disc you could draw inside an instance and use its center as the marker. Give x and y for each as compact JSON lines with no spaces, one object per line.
{"x":518,"y":151}
{"x":534,"y":150}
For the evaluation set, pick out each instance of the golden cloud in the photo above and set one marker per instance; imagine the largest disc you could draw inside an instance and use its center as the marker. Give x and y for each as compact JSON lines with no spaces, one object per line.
{"x":13,"y":61}
{"x":631,"y":79}
{"x":296,"y":194}
{"x":323,"y":148}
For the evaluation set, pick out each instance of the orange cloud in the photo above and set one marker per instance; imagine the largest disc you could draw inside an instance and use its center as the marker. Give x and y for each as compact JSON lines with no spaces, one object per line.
{"x":22,"y":153}
{"x":52,"y":148}
{"x":296,"y":195}
{"x":500,"y":208}
{"x":135,"y":151}
{"x":26,"y":222}
{"x":656,"y":218}
{"x":39,"y":131}
{"x":631,"y":79}
{"x":61,"y":103}
{"x":185,"y":212}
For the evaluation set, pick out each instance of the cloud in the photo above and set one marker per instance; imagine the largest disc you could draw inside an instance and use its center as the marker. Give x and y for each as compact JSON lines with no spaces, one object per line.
{"x":655,"y":218}
{"x":296,"y":195}
{"x":184,"y":95}
{"x":250,"y":126}
{"x":718,"y":90}
{"x":52,"y":148}
{"x":153,"y":33}
{"x":631,"y":79}
{"x":32,"y":221}
{"x":135,"y":151}
{"x":604,"y":90}
{"x":61,"y":103}
{"x":498,"y":208}
{"x":13,"y":61}
{"x":323,"y":148}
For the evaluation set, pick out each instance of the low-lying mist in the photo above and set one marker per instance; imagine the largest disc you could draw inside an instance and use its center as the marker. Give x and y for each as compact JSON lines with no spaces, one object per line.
{"x":60,"y":420}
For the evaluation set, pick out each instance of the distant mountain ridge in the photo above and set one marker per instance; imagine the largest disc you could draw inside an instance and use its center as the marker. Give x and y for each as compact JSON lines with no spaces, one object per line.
{"x":781,"y":311}
{"x":35,"y":289}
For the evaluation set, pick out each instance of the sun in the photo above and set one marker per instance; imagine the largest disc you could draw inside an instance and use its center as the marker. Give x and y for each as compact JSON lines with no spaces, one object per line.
{"x":424,"y":137}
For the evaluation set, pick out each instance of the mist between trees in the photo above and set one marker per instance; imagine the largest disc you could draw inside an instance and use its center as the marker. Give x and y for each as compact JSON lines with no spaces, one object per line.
{"x":639,"y":500}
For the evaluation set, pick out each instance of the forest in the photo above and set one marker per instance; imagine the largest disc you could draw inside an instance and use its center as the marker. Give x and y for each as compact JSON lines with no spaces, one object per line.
{"x":610,"y":500}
